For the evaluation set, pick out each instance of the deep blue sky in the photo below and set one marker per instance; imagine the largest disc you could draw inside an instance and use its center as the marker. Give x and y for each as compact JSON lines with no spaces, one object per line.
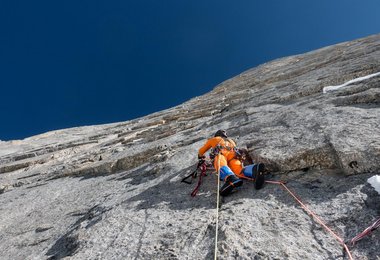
{"x":82,"y":62}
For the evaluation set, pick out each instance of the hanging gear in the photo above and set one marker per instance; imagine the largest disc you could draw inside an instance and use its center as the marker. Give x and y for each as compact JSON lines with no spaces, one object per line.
{"x":194,"y":174}
{"x":203,"y":167}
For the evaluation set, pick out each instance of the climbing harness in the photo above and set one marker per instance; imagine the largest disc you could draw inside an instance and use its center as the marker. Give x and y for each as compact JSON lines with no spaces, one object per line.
{"x":366,"y":232}
{"x":218,"y":149}
{"x":311,"y":213}
{"x":203,"y":167}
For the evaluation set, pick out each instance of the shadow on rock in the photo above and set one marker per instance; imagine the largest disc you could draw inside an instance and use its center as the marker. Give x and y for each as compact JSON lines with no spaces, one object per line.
{"x":65,"y":246}
{"x":69,"y":243}
{"x":172,"y":192}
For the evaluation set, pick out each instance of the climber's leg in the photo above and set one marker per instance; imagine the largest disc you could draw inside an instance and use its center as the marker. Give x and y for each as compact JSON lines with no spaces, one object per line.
{"x":230,"y":183}
{"x":226,"y":175}
{"x":236,"y":166}
{"x":256,"y":172}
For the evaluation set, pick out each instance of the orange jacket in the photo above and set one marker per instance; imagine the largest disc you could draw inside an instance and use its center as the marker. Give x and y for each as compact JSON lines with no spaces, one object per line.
{"x":225,"y":145}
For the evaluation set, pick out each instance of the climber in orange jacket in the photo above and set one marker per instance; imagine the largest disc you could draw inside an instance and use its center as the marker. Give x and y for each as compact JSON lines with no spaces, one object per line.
{"x":228,"y":161}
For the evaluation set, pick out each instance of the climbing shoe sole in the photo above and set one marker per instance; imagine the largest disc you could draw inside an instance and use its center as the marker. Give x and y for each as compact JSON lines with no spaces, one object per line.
{"x":259,"y":174}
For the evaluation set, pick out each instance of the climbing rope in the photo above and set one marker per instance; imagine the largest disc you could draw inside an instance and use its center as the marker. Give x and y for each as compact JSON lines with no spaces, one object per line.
{"x":203,"y":167}
{"x":318,"y":219}
{"x":217,"y":211}
{"x":366,"y":232}
{"x":203,"y":173}
{"x":293,"y":194}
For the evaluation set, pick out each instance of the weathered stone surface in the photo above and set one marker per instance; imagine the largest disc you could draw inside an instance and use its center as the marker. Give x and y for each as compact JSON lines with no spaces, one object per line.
{"x":113,"y":191}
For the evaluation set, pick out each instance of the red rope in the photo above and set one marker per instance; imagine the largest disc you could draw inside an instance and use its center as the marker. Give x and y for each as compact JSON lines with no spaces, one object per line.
{"x":366,"y":232}
{"x":203,"y":173}
{"x":310,"y":212}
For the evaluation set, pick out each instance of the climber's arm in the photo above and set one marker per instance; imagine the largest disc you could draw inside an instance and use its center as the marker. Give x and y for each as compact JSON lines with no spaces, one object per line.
{"x":209,"y":144}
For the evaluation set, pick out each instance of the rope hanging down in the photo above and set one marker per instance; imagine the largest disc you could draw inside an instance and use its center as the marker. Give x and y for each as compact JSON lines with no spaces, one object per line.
{"x":217,"y":212}
{"x":318,"y":219}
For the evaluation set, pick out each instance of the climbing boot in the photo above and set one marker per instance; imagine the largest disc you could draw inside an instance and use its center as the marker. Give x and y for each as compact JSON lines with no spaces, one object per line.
{"x":258,"y":173}
{"x":231,"y":182}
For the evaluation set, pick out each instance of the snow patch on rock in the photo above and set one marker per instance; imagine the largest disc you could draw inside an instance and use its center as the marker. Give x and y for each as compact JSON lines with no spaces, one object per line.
{"x":375,"y":182}
{"x":333,"y":88}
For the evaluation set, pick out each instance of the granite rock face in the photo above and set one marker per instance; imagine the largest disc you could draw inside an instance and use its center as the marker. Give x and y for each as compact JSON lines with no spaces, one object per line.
{"x":113,"y":191}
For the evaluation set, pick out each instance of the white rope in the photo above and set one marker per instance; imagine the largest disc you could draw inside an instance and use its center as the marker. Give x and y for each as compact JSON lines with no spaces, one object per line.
{"x":217,"y":211}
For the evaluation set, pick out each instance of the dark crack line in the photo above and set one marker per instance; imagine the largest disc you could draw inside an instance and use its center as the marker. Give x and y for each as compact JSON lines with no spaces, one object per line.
{"x":142,"y":234}
{"x":313,"y":229}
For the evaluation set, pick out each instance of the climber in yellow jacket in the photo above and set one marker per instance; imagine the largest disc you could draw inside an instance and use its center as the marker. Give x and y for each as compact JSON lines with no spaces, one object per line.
{"x":228,"y":161}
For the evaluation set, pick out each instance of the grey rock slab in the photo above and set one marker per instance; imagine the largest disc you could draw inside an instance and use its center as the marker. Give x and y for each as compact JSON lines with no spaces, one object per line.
{"x":113,"y":191}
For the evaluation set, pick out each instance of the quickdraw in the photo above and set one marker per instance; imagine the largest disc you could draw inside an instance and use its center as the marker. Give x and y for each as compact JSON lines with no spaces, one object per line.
{"x":203,"y":167}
